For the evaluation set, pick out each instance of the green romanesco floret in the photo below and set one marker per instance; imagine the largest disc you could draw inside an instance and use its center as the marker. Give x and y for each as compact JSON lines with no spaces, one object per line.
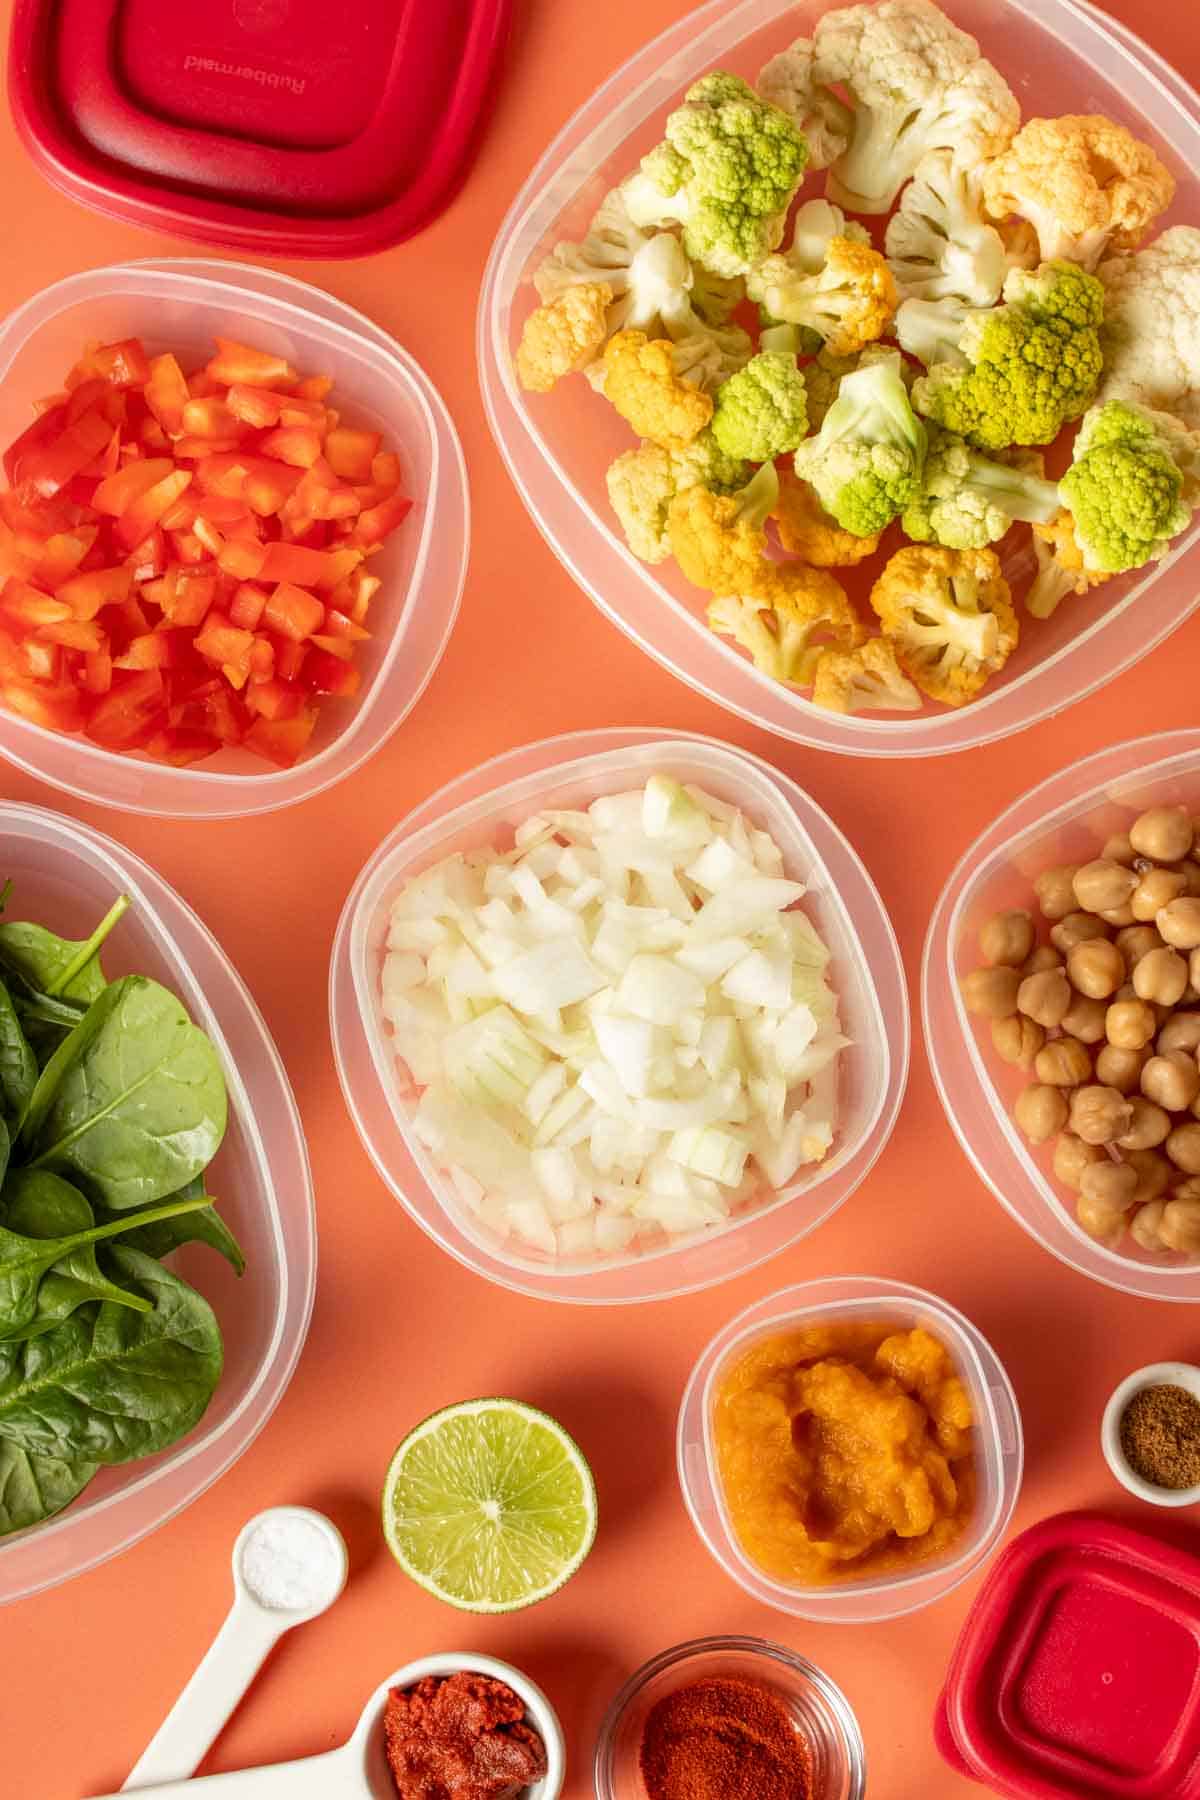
{"x":1032,"y":365}
{"x":643,"y":482}
{"x":967,"y":500}
{"x":763,"y":410}
{"x":866,"y":460}
{"x":1124,"y":489}
{"x":727,"y":172}
{"x":823,"y":376}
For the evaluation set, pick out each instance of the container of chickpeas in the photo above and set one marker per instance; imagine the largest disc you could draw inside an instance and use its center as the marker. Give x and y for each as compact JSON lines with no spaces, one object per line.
{"x":1061,"y":994}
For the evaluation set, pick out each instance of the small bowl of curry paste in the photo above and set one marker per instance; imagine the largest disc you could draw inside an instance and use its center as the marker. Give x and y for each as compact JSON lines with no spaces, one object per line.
{"x":471,"y":1728}
{"x":730,"y":1718}
{"x":850,"y":1450}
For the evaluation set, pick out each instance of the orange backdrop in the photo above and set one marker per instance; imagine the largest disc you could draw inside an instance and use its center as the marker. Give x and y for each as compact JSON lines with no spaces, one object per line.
{"x":87,"y":1671}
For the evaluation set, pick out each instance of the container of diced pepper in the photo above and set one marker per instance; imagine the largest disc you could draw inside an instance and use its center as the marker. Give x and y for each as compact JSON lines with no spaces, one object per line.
{"x":267,"y":538}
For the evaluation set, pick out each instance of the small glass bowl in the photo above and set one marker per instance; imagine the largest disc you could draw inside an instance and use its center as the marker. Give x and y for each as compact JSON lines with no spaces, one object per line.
{"x":820,"y":1709}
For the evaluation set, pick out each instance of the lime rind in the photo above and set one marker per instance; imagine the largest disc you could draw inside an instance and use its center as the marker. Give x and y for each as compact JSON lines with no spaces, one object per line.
{"x":489,"y":1505}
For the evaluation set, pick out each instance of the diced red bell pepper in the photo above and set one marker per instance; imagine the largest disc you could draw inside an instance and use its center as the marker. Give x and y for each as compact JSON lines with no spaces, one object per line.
{"x":386,"y":472}
{"x":42,"y":660}
{"x":276,"y":699}
{"x":155,"y":650}
{"x":84,"y":595}
{"x":256,"y":407}
{"x":268,"y":485}
{"x":97,"y":671}
{"x":242,"y":558}
{"x":237,"y":364}
{"x":298,"y":445}
{"x":123,"y":365}
{"x":378,"y":522}
{"x":262,"y":658}
{"x":326,"y":674}
{"x":338,"y":647}
{"x":180,"y":747}
{"x":167,"y":394}
{"x":45,"y":428}
{"x":150,"y":558}
{"x":30,"y":607}
{"x":195,"y":449}
{"x":57,"y":708}
{"x":350,"y":453}
{"x":225,"y":715}
{"x":61,"y":554}
{"x":293,"y":613}
{"x":190,"y":592}
{"x":49,"y":466}
{"x":210,"y":418}
{"x":294,"y":409}
{"x":365,"y":588}
{"x":223,"y":473}
{"x":224,"y":643}
{"x":188,"y":548}
{"x":130,"y":712}
{"x":152,"y":438}
{"x":313,"y":387}
{"x":137,"y":521}
{"x":281,"y":741}
{"x":290,"y":657}
{"x":338,"y":625}
{"x":123,"y":621}
{"x":246,"y":607}
{"x":118,"y":493}
{"x":74,"y":634}
{"x":295,"y":563}
{"x":109,"y":460}
{"x":96,"y":396}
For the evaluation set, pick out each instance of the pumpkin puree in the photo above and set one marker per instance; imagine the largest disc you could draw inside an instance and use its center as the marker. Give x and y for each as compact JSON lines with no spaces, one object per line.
{"x":844,"y":1450}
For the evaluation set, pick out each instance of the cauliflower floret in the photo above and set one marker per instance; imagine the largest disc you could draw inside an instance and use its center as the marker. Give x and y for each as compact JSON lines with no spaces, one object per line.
{"x":1085,"y":184}
{"x":564,"y":336}
{"x":1060,"y":569}
{"x":823,"y":376}
{"x":1032,"y":364}
{"x":787,"y":81}
{"x":1152,"y":325}
{"x":967,"y":500}
{"x":726,"y":172}
{"x":949,"y":617}
{"x":715,"y":298}
{"x":1125,"y":488}
{"x":931,"y":330}
{"x":790,"y":620}
{"x":865,"y":680}
{"x":810,"y":533}
{"x":918,"y":84}
{"x":939,"y":244}
{"x":866,"y":460}
{"x":662,"y":388}
{"x":763,"y":409}
{"x":642,"y":484}
{"x":848,"y":304}
{"x":650,"y":276}
{"x":718,"y":540}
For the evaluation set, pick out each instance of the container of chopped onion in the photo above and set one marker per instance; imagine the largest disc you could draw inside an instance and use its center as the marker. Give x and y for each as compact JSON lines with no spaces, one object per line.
{"x":619,"y":1016}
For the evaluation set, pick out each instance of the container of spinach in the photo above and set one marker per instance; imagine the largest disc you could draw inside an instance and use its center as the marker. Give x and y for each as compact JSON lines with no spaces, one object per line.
{"x":112,"y":1106}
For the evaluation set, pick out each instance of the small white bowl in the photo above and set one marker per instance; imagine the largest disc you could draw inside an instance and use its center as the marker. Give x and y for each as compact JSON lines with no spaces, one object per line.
{"x":1164,"y":1374}
{"x":538,"y":1712}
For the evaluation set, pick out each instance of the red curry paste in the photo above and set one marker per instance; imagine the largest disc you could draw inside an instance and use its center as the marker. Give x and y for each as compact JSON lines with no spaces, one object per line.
{"x":460,"y":1737}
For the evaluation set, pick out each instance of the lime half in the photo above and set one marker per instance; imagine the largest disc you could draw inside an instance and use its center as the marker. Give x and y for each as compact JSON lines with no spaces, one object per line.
{"x":489,"y":1505}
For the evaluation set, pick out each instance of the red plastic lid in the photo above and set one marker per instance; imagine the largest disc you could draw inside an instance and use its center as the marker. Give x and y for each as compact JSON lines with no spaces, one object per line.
{"x":285,"y":127}
{"x":1078,"y":1670}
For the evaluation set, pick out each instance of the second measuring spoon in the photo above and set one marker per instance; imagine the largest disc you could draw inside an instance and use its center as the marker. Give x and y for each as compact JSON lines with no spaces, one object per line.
{"x":289,"y":1566}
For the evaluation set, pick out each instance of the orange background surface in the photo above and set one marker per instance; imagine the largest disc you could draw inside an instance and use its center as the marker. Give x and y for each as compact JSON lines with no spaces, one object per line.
{"x":87,"y":1671}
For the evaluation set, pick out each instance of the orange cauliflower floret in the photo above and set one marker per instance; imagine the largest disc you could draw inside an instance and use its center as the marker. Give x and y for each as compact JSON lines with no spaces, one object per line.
{"x":1060,"y":567}
{"x":564,"y":335}
{"x":949,"y":617}
{"x":644,"y":381}
{"x":1085,"y":184}
{"x":865,"y":680}
{"x":791,"y":619}
{"x":718,"y":540}
{"x":849,"y":303}
{"x":812,"y":534}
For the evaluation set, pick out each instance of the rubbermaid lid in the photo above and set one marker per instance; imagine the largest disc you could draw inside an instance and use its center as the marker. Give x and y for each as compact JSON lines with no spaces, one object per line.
{"x":1078,"y":1670}
{"x":288,"y":127}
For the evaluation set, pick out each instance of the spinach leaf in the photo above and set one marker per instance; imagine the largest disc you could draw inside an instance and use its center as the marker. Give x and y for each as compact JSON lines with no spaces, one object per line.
{"x":110,"y":1385}
{"x":204,"y":1227}
{"x":18,"y":1065}
{"x":58,"y":965}
{"x":134,"y":1100}
{"x":34,"y":1488}
{"x":47,"y":1253}
{"x":33,"y":1007}
{"x":5,"y":1150}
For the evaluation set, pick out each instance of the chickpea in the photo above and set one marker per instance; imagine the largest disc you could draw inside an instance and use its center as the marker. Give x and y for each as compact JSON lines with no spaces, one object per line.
{"x":1150,"y":1126}
{"x":1056,"y":893}
{"x":1064,"y":1063}
{"x":1189,"y":868}
{"x":1103,"y":886}
{"x":992,"y":992}
{"x":1194,"y":970}
{"x":1121,"y":917}
{"x":1008,"y":938}
{"x":1180,"y":1226}
{"x":1172,"y":1080}
{"x":1153,"y":1173}
{"x":1077,"y":928}
{"x":1161,"y":977}
{"x":1136,"y":941}
{"x":1040,"y":1112}
{"x":1118,"y":849}
{"x":1121,"y":1069}
{"x":1072,"y":1156}
{"x":1156,"y":889}
{"x":1109,"y":1184}
{"x":1017,"y":1040}
{"x":1044,"y":957}
{"x":1145,"y":1226}
{"x":1164,"y":833}
{"x":1045,"y":998}
{"x":1096,"y":968}
{"x":1179,"y":924}
{"x":1183,"y":1148}
{"x":1099,"y":1115}
{"x":1187,"y":1190}
{"x":1181,"y":1032}
{"x":1100,"y":1222}
{"x":1085,"y":1019}
{"x":1130,"y":1024}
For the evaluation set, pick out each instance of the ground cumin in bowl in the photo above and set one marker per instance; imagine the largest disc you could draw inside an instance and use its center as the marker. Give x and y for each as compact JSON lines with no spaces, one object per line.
{"x":1151,"y":1434}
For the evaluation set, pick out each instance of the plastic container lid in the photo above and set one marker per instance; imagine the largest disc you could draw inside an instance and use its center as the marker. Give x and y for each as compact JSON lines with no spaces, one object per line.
{"x":277,"y":126}
{"x":1078,"y":1671}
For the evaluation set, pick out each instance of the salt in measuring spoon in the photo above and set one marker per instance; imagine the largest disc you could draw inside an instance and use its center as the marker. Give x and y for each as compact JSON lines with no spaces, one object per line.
{"x":358,"y":1770}
{"x":289,"y":1566}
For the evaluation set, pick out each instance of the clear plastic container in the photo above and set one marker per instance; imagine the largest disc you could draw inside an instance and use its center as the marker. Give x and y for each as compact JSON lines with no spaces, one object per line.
{"x":1064,"y":820}
{"x":820,"y":1712}
{"x":1060,"y":57}
{"x":999,"y":1452}
{"x":483,"y":807}
{"x":180,"y":305}
{"x":67,"y":876}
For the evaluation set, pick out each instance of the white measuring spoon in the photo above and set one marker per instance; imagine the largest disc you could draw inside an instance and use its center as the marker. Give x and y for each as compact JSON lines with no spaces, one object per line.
{"x":359,"y":1770}
{"x":238,"y":1651}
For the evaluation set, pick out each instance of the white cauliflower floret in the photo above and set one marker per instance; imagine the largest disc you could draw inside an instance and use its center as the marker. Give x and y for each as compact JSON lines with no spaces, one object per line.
{"x":918,"y":84}
{"x":1151,"y":332}
{"x":788,"y":82}
{"x":932,"y":330}
{"x":941,"y":246}
{"x":648,"y":273}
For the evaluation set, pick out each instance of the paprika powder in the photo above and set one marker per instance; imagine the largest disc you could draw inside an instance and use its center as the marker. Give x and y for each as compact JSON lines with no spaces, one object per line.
{"x":724,"y":1739}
